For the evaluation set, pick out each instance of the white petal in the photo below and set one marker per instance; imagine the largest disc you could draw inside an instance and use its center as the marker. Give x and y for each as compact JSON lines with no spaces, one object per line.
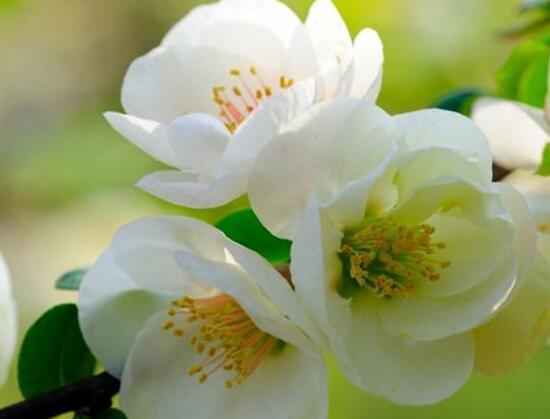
{"x":520,"y":329}
{"x":150,"y":136}
{"x":156,"y":88}
{"x":192,"y":190}
{"x":316,"y":270}
{"x":525,"y":240}
{"x":156,"y":384}
{"x":8,"y":322}
{"x":328,"y":146}
{"x":265,"y":123}
{"x":367,"y":65}
{"x":332,"y":43}
{"x":474,"y":250}
{"x":477,"y":203}
{"x":112,"y":309}
{"x":264,"y":32}
{"x":536,"y":189}
{"x":233,"y":280}
{"x":403,"y":371}
{"x":443,"y":129}
{"x":137,"y":276}
{"x":429,"y":319}
{"x":517,"y":133}
{"x":198,"y":141}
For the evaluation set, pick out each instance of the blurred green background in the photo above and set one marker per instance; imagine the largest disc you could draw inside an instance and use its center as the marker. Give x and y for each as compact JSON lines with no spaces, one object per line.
{"x":66,"y":178}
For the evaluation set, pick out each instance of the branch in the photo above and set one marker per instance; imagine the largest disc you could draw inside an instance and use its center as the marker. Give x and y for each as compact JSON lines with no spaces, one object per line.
{"x":94,"y":393}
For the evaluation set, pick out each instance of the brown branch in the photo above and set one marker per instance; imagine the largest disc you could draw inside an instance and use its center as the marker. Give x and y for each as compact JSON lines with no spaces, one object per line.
{"x":93,"y":394}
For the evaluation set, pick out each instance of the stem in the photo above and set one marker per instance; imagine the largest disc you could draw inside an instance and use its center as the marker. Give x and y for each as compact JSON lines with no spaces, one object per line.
{"x":94,"y":393}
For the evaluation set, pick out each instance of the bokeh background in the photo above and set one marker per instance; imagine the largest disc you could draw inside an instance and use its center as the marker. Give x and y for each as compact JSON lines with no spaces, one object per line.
{"x":66,"y":178}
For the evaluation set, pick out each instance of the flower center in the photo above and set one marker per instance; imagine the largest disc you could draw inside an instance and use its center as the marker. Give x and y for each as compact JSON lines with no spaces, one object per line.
{"x":228,"y":339}
{"x":389,"y":258}
{"x":244,"y":96}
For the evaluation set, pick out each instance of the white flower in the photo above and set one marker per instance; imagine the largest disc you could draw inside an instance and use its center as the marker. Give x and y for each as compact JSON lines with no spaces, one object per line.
{"x":402,"y":245}
{"x":195,"y":324}
{"x":516,"y":333}
{"x":516,"y":132}
{"x":224,"y":81}
{"x":8,"y":326}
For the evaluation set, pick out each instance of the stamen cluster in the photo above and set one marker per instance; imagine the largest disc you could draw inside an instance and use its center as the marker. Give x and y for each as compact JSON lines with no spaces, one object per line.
{"x":228,"y":339}
{"x":390,"y":258}
{"x":243,"y":97}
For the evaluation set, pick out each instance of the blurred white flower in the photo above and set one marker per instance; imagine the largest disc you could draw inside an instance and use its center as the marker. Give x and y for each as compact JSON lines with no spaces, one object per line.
{"x":8,"y":322}
{"x":515,"y":334}
{"x":194,"y":323}
{"x":516,"y":132}
{"x":402,"y":245}
{"x":225,"y":80}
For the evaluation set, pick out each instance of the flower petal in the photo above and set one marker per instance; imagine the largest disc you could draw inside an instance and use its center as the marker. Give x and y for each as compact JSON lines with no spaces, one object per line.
{"x":192,"y":190}
{"x":430,"y":128}
{"x":521,"y":328}
{"x":112,"y":309}
{"x":332,"y":43}
{"x":367,"y":65}
{"x":287,"y":384}
{"x":8,"y":322}
{"x":330,"y":145}
{"x":150,"y":136}
{"x":517,"y":133}
{"x":536,"y":189}
{"x":403,"y":371}
{"x":198,"y":141}
{"x":137,"y":276}
{"x":428,"y":319}
{"x":266,"y":122}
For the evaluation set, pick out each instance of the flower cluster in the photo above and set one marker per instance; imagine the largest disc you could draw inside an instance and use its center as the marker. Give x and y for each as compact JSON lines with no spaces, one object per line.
{"x":408,"y":263}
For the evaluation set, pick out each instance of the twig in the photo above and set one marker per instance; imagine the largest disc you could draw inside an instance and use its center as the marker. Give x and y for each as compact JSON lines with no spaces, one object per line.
{"x":94,"y":393}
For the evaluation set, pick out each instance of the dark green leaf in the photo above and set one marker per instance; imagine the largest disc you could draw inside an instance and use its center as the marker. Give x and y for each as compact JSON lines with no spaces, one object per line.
{"x":71,"y":280}
{"x":459,"y":100}
{"x":245,"y":228}
{"x":53,"y":353}
{"x":544,"y":168}
{"x":111,"y":414}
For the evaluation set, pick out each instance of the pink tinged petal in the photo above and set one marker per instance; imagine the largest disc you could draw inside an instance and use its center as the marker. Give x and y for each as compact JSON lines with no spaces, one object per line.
{"x":192,"y":190}
{"x":367,"y":65}
{"x":287,"y":384}
{"x":433,"y":128}
{"x":401,"y":370}
{"x":332,"y":43}
{"x":149,"y":136}
{"x":198,"y":141}
{"x":271,"y":117}
{"x":517,"y":133}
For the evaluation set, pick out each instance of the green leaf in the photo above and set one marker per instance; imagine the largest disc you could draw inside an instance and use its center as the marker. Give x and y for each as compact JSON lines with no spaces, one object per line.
{"x":245,"y":228}
{"x":544,"y":168}
{"x":459,"y":100}
{"x":523,"y":76}
{"x":71,"y":280}
{"x":111,"y":414}
{"x":53,"y":353}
